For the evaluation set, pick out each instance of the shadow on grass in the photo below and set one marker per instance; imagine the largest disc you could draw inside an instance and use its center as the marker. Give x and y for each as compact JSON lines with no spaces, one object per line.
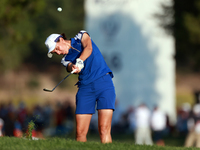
{"x":177,"y":141}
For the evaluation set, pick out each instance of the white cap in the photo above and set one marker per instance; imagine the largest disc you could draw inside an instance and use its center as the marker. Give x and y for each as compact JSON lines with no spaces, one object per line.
{"x":51,"y":43}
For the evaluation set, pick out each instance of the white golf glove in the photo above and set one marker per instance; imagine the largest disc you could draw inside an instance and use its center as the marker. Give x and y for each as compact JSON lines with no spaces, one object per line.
{"x":79,"y":63}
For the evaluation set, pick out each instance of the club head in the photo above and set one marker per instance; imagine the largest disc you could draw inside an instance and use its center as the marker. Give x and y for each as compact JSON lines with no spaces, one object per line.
{"x":47,"y":90}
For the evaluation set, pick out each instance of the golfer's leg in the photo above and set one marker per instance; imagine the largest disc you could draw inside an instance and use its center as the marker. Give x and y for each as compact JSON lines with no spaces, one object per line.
{"x":82,"y":126}
{"x":104,"y":125}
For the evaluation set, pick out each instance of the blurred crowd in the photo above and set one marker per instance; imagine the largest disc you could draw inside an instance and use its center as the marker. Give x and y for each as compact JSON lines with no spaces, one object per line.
{"x":49,"y":120}
{"x":148,"y":126}
{"x":188,"y":122}
{"x":152,"y":126}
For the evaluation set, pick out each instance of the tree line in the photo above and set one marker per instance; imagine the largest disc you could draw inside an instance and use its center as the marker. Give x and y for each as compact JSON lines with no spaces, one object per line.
{"x":26,"y":23}
{"x":185,"y":28}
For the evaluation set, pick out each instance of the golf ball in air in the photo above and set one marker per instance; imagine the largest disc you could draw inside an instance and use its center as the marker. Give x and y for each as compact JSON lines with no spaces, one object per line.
{"x":59,"y":9}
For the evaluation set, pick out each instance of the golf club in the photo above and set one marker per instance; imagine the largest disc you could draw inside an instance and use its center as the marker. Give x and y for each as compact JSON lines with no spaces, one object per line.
{"x":47,"y":90}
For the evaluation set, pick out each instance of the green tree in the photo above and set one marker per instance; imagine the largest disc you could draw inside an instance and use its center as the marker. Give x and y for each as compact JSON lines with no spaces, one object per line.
{"x":187,"y":21}
{"x":185,"y":28}
{"x":16,"y":30}
{"x":69,"y":21}
{"x":25,"y":25}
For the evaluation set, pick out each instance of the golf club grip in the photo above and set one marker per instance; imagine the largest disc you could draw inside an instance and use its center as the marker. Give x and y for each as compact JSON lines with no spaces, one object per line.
{"x":73,"y":71}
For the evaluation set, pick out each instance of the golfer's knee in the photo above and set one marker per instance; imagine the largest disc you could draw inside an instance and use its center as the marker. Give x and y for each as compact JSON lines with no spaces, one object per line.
{"x":104,"y":130}
{"x":80,"y":132}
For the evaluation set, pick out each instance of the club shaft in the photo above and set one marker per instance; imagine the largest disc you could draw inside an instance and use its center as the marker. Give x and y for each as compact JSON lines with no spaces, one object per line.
{"x":59,"y":82}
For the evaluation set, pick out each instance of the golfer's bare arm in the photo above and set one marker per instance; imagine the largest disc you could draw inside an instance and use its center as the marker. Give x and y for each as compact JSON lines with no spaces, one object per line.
{"x":87,"y":47}
{"x":87,"y":50}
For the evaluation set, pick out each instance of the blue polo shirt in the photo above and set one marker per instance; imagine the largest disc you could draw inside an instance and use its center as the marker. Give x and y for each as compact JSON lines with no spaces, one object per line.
{"x":94,"y":66}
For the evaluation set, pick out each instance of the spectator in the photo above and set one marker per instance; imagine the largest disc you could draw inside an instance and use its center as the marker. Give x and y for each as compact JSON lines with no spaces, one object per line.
{"x":193,"y":136}
{"x":59,"y":119}
{"x":18,"y":129}
{"x":69,"y":116}
{"x":9,"y":124}
{"x":131,"y":119}
{"x":143,"y":130}
{"x":22,"y":115}
{"x":1,"y":127}
{"x":117,"y":119}
{"x":47,"y":112}
{"x":3,"y":111}
{"x":38,"y":120}
{"x":158,"y":124}
{"x":182,"y":118}
{"x":68,"y":111}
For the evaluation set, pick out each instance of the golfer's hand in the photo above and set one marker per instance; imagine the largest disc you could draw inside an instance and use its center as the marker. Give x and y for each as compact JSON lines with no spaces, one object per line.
{"x":79,"y":64}
{"x":74,"y":67}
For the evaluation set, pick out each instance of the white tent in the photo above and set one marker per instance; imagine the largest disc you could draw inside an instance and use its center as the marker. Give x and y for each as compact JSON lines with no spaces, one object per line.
{"x":137,"y":50}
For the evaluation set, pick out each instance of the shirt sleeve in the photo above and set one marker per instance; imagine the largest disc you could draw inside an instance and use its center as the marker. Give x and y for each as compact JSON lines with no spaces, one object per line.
{"x":80,"y":34}
{"x":64,"y":62}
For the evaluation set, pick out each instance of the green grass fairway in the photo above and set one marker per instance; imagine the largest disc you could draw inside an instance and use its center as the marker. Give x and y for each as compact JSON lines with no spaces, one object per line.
{"x":12,"y":143}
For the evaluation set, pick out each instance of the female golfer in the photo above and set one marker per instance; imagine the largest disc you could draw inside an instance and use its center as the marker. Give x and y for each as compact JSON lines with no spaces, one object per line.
{"x":95,"y":84}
